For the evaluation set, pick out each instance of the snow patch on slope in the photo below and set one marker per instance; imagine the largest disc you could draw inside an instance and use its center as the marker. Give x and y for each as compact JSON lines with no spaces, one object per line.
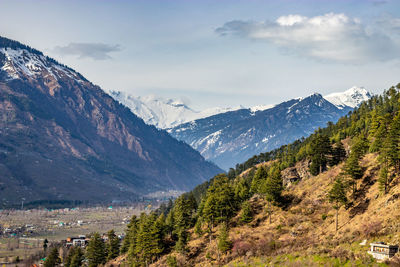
{"x":22,"y":63}
{"x":261,"y":107}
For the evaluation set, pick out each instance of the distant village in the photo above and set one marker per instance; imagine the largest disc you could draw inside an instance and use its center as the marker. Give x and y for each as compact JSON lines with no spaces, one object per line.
{"x":82,"y":240}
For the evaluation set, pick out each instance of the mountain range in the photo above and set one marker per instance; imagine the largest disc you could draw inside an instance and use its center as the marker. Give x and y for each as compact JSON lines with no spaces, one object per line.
{"x":164,"y":113}
{"x":64,"y":138}
{"x":232,"y":136}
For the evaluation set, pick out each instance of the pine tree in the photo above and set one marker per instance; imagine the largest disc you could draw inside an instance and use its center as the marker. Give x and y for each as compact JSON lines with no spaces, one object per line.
{"x":272,"y":188}
{"x":353,"y":169}
{"x":184,"y":208}
{"x":219,"y":203}
{"x":242,"y":191}
{"x":130,"y":236}
{"x":96,"y":252}
{"x":67,"y":262}
{"x":144,"y":240}
{"x":180,"y":245}
{"x":158,"y":232}
{"x":259,"y":177}
{"x":45,"y":244}
{"x":197,"y":227}
{"x":169,"y":224}
{"x":320,"y":149}
{"x":75,"y":257}
{"x":377,"y":132}
{"x":224,"y":244}
{"x":337,"y":196}
{"x":247,"y":213}
{"x":393,"y":143}
{"x":171,"y":261}
{"x":383,"y":179}
{"x":338,"y":154}
{"x":112,"y":245}
{"x":53,"y":259}
{"x":360,"y":146}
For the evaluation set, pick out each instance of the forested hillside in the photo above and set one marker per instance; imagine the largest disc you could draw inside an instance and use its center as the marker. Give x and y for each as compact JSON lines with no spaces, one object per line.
{"x":350,"y":195}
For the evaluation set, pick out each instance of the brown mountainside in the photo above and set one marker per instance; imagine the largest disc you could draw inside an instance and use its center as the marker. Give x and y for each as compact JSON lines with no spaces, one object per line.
{"x":303,"y":234}
{"x":63,"y":138}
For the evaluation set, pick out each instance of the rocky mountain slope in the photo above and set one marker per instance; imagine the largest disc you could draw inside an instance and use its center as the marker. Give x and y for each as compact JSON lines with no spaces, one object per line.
{"x":164,"y":113}
{"x":232,"y":137}
{"x":64,"y":138}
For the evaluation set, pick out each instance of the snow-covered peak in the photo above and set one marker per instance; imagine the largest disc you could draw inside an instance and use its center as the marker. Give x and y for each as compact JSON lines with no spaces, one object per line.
{"x":261,"y":107}
{"x":162,"y":112}
{"x":20,"y":62}
{"x":350,"y":98}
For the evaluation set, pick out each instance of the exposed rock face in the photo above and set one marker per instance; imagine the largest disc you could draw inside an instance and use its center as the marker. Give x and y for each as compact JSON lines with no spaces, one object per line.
{"x":299,"y":172}
{"x":63,"y":138}
{"x":289,"y":176}
{"x":302,"y":168}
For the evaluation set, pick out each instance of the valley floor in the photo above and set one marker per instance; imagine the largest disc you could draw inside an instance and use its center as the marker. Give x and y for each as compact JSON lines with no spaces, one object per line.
{"x":22,"y":232}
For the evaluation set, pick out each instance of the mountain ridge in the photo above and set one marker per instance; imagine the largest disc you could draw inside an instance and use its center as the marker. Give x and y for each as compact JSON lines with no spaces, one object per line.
{"x":232,"y":137}
{"x":63,"y":137}
{"x":167,"y":113}
{"x":162,"y":112}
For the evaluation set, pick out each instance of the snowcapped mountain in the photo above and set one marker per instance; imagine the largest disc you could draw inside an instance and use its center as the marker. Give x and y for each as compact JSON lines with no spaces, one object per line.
{"x":166,"y":113}
{"x":63,"y":138}
{"x":349,"y":98}
{"x":233,"y":137}
{"x":162,"y":112}
{"x":28,"y":63}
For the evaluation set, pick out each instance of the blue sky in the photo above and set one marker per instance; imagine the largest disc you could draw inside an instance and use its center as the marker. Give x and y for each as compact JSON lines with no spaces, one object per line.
{"x":216,"y":53}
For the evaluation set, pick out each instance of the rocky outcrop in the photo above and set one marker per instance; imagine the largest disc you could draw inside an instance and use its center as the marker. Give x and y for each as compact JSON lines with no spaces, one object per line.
{"x":294,"y":174}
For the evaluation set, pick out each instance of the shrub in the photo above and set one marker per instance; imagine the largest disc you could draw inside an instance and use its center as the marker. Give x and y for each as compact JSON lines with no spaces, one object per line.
{"x":171,"y":261}
{"x":266,"y":246}
{"x":340,"y":253}
{"x":240,"y":248}
{"x":371,"y":229}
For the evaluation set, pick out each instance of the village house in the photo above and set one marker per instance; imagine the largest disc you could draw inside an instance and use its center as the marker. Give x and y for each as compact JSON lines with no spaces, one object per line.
{"x":382,"y":251}
{"x":80,"y":241}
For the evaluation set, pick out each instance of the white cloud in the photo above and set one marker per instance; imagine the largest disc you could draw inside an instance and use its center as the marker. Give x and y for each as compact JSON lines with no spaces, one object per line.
{"x":330,"y":37}
{"x":96,"y":51}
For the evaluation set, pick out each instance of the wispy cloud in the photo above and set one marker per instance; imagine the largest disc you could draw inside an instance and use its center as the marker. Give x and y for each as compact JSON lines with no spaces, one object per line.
{"x":390,"y":23}
{"x":330,"y":37}
{"x":96,"y":51}
{"x":379,"y":2}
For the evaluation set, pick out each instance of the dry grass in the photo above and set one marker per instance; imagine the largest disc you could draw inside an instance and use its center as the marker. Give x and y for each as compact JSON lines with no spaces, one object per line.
{"x":303,"y":234}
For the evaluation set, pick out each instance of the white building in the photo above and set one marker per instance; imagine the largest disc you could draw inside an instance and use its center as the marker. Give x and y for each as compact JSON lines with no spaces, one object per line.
{"x":382,"y":251}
